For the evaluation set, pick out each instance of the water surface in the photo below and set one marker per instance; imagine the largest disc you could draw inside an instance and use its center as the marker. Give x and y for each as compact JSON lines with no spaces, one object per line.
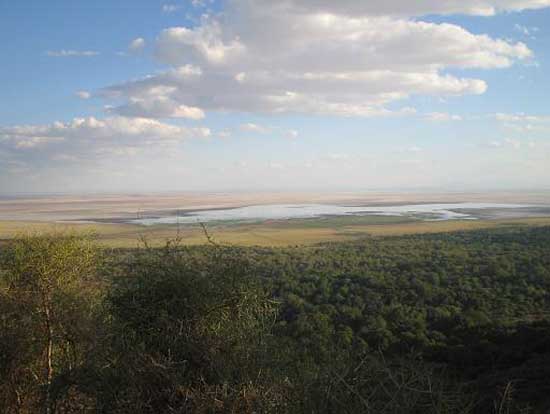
{"x":432,"y":212}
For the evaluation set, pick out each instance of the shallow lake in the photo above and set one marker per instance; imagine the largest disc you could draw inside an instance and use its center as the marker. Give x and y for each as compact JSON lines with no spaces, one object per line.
{"x":432,"y":212}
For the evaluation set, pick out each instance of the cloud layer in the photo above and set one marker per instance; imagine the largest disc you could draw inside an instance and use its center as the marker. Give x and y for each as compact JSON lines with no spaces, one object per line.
{"x":404,"y":8}
{"x":91,"y":138}
{"x":344,"y":58}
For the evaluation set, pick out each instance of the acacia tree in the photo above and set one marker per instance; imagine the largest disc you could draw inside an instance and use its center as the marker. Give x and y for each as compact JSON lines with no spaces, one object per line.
{"x":41,"y":287}
{"x":193,"y":329}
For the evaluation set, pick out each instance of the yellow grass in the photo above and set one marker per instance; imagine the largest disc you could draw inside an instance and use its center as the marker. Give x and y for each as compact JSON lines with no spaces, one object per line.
{"x":128,"y":235}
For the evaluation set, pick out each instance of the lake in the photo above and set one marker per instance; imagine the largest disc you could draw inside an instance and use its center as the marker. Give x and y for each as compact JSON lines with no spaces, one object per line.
{"x":428,"y":212}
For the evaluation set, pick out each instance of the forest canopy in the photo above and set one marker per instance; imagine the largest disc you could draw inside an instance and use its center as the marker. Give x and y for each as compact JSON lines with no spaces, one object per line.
{"x":444,"y":323}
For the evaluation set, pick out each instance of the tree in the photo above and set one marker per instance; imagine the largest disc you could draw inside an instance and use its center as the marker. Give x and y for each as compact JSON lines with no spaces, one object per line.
{"x":193,"y":328}
{"x":41,"y":288}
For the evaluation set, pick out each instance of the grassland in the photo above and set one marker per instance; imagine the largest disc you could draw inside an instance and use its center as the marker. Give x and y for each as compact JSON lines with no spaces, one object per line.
{"x":269,"y":233}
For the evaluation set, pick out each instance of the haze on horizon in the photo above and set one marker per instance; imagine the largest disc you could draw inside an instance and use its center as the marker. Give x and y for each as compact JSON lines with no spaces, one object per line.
{"x":218,"y":95}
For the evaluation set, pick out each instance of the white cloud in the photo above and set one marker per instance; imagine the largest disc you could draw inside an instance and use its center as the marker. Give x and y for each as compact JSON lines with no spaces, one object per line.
{"x":442,"y":117}
{"x":170,"y":8}
{"x":260,"y":129}
{"x":35,"y":141}
{"x":156,"y":97}
{"x":68,"y":53}
{"x":521,"y":117}
{"x":308,"y":45}
{"x":204,"y":42}
{"x":89,"y":137}
{"x":251,"y":127}
{"x":84,"y":94}
{"x":406,"y":7}
{"x":345,"y":58}
{"x":137,"y":45}
{"x":524,"y":123}
{"x":158,"y":107}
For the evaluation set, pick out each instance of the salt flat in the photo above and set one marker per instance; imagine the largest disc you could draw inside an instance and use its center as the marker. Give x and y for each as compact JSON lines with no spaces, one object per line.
{"x":113,"y":217}
{"x":425,"y":212}
{"x":50,"y":208}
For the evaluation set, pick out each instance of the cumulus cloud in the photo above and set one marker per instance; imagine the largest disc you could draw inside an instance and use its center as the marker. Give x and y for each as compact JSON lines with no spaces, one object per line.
{"x":88,"y":138}
{"x":156,"y":97}
{"x":344,"y":58}
{"x":69,"y":53}
{"x":136,"y":45}
{"x":204,"y":43}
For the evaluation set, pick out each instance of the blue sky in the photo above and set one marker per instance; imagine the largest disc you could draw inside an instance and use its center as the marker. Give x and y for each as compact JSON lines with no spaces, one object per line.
{"x":291,"y":95}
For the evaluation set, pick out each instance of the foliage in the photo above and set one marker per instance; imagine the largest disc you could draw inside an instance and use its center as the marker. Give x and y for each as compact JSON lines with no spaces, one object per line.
{"x":445,"y":323}
{"x":46,"y":316}
{"x":187,"y":324}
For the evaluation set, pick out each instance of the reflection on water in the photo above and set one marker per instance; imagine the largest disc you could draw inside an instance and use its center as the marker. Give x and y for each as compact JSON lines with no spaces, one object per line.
{"x":300,"y":211}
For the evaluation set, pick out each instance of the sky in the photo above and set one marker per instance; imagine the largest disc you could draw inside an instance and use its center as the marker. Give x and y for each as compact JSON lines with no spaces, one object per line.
{"x":248,"y":95}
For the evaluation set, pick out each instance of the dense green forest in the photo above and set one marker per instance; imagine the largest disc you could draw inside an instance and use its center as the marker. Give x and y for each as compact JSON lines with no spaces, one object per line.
{"x":445,"y":323}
